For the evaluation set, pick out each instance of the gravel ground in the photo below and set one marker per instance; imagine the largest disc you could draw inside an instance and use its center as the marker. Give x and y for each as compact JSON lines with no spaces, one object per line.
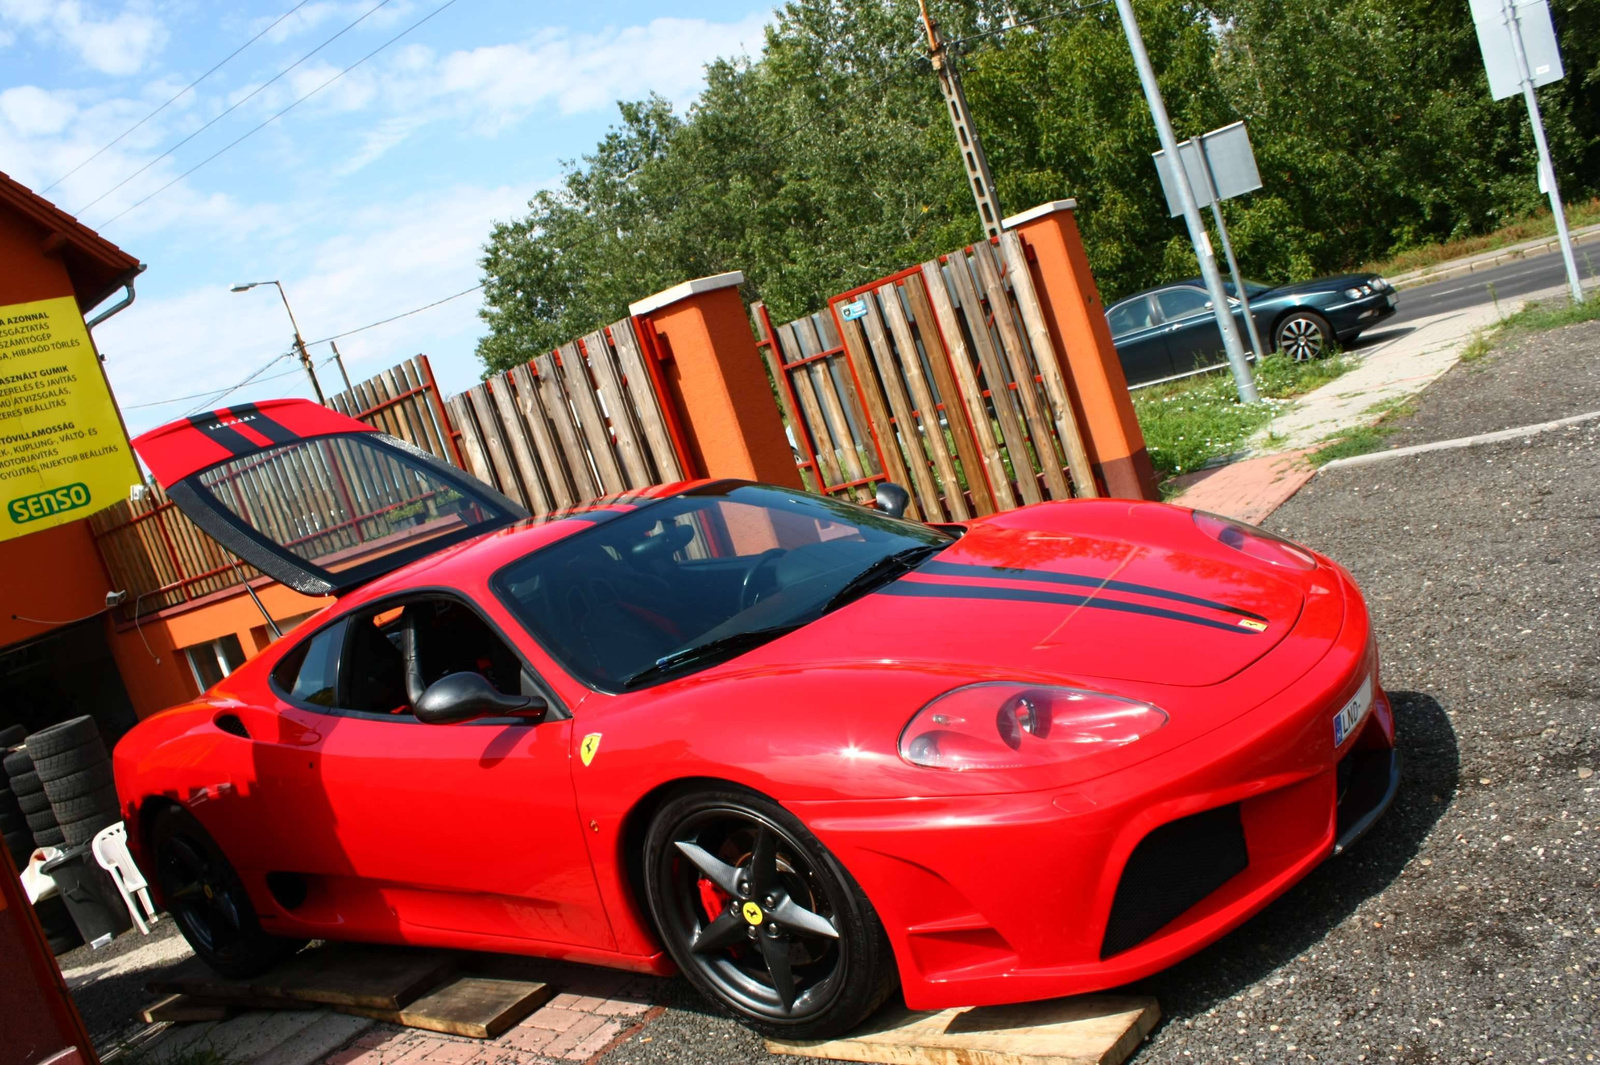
{"x":109,"y":984}
{"x":1535,"y":377}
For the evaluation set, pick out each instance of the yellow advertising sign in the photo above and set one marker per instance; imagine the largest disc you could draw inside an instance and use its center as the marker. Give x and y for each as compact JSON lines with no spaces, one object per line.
{"x":63,"y":454}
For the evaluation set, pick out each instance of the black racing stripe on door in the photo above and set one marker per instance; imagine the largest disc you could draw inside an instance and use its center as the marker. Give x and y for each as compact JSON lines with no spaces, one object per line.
{"x":273,"y":430}
{"x":932,"y":590}
{"x":965,"y":569}
{"x":225,"y":436}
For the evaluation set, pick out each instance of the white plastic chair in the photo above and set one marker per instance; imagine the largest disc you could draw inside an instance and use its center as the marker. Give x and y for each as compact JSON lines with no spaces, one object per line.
{"x":110,"y":849}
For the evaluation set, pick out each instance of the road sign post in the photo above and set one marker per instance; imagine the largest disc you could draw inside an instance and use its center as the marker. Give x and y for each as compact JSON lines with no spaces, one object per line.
{"x":1520,"y":53}
{"x":1242,"y":377}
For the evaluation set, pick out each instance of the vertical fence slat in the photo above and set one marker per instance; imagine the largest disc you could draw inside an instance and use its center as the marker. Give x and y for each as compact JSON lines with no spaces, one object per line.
{"x":789,"y":347}
{"x":856,"y":349}
{"x":955,"y":500}
{"x":994,"y":376}
{"x":955,"y":410}
{"x":630,"y":449}
{"x":921,"y":486}
{"x":967,"y":385}
{"x":557,"y":477}
{"x":832,"y":404}
{"x":1049,"y":360}
{"x":505,"y":405}
{"x":574,"y":370}
{"x":494,"y":438}
{"x":471,"y":445}
{"x":652,"y":420}
{"x":784,"y":390}
{"x":559,"y":412}
{"x":1040,"y":429}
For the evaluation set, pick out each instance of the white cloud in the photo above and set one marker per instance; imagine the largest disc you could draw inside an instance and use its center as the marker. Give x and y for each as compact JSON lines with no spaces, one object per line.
{"x":121,"y":44}
{"x":34,"y":112}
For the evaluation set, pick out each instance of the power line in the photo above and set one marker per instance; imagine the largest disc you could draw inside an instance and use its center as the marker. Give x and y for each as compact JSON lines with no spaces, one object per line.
{"x":256,"y":129}
{"x":204,"y":395}
{"x":175,"y":97}
{"x":396,"y":317}
{"x":232,"y":108}
{"x":228,"y":391}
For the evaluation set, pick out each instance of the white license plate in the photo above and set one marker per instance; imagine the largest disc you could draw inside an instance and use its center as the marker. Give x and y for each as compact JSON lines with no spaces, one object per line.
{"x":1353,"y":713}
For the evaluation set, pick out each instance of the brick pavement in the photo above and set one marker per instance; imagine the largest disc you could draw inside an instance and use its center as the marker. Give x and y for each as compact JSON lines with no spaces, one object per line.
{"x":595,"y":1009}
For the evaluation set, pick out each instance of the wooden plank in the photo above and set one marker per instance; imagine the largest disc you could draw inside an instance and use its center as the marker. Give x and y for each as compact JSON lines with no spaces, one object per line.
{"x":923,"y":491}
{"x":1050,"y":363}
{"x":844,"y":376}
{"x":554,"y":398}
{"x":970,"y":391}
{"x":551,"y":459}
{"x":580,"y":387}
{"x":516,"y":431}
{"x":855,"y":346}
{"x":994,"y":375}
{"x":944,"y":381}
{"x":646,"y":404}
{"x":494,"y":440}
{"x":789,"y":347}
{"x":769,"y":355}
{"x":478,"y":1007}
{"x":425,"y":413}
{"x":380,"y":978}
{"x":1085,"y":1030}
{"x":844,"y":435}
{"x":180,"y":1009}
{"x":955,"y":499}
{"x":1040,"y":428}
{"x":471,"y":446}
{"x":630,"y":449}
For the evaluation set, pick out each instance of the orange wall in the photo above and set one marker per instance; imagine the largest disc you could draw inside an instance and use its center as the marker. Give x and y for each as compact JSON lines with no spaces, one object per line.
{"x":54,"y":576}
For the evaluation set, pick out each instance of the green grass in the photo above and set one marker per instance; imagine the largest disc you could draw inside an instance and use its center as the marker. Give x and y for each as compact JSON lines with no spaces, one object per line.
{"x":1190,"y":422}
{"x":1541,"y":224}
{"x":1540,"y":316}
{"x":1366,"y":438}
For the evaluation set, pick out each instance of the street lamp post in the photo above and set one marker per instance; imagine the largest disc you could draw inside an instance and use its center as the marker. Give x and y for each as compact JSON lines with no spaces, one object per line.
{"x":299,"y":341}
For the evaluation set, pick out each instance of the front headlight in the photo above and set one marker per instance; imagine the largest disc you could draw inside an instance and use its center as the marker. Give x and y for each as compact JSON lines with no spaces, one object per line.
{"x":1357,"y":293}
{"x":1254,"y":541}
{"x":1380,"y":285}
{"x":1008,"y":725}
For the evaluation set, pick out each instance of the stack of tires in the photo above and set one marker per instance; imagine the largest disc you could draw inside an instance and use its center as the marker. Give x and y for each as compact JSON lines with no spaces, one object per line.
{"x":74,"y":769}
{"x":39,"y":829}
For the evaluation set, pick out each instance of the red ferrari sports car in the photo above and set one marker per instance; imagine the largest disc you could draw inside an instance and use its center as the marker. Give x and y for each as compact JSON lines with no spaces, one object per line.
{"x":801,"y":750}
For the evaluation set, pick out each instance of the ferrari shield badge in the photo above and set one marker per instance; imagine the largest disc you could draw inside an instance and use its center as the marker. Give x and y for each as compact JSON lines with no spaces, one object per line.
{"x":590,"y":744}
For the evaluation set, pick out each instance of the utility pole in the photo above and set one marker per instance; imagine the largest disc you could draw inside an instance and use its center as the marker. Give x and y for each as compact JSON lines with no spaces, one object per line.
{"x":1191,"y":213}
{"x":348,"y":387}
{"x":299,"y":341}
{"x":1547,"y":170}
{"x":1199,"y":147}
{"x":955,"y":99}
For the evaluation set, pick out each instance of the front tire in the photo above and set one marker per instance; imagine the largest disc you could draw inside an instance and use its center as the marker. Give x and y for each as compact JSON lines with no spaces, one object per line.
{"x":208,"y":901}
{"x":1303,"y":336}
{"x":761,"y":918}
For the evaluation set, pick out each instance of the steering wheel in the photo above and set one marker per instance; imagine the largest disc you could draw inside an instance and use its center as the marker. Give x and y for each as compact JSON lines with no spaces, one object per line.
{"x":749,"y":593}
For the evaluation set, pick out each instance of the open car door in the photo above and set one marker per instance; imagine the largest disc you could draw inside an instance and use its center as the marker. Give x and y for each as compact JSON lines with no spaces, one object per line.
{"x":313,"y":498}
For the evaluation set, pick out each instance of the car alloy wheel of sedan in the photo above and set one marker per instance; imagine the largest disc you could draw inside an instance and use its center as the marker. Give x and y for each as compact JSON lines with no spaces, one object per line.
{"x":1303,"y":337}
{"x":762,"y":919}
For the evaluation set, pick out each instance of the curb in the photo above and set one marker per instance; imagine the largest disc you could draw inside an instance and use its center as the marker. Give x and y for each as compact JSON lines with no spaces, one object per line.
{"x":1462,"y":267}
{"x":1460,"y":442}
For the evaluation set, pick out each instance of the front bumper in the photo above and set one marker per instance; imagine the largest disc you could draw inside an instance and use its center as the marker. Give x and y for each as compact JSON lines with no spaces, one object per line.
{"x":1006,"y":898}
{"x":1349,"y":319}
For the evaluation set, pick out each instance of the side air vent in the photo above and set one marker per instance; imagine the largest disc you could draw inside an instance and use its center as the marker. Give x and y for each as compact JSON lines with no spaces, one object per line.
{"x":288,"y":889}
{"x":1171,"y":869}
{"x":230,"y":723}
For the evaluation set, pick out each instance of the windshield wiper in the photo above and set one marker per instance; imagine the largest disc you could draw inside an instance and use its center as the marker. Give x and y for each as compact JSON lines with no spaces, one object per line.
{"x":880,"y":573}
{"x":728,"y":646}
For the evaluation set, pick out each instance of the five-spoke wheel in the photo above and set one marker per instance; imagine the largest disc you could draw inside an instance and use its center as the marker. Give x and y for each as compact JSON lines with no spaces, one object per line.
{"x":207,"y":899}
{"x":1304,"y":336}
{"x":761,"y":918}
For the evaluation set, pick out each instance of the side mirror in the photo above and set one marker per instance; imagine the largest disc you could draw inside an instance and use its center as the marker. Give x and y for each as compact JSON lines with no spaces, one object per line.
{"x":464,"y":696}
{"x":892,"y":499}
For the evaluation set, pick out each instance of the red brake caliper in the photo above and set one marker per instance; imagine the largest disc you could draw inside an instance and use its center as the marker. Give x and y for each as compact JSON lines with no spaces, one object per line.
{"x":713,"y":899}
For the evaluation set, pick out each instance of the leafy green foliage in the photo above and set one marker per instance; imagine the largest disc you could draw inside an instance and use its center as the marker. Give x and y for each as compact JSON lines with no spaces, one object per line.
{"x":827,"y":161}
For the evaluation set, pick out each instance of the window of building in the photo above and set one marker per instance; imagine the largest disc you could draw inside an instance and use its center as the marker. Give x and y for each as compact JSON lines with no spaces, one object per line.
{"x":214,"y":659}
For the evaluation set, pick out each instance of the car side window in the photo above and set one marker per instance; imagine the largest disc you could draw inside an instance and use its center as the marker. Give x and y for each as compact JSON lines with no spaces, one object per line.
{"x":1130,"y":316}
{"x":309,"y":672}
{"x":1178,"y":303}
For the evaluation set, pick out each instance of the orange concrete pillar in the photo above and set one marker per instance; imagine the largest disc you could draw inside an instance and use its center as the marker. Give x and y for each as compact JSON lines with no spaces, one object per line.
{"x":1077,"y":320}
{"x":715,"y":381}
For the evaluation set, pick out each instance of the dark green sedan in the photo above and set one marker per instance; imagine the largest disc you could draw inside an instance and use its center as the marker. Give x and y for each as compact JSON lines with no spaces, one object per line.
{"x":1171,"y":330}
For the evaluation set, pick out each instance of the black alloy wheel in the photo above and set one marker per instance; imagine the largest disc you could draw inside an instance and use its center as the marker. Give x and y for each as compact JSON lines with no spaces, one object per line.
{"x":762,"y":919}
{"x":1304,"y":336}
{"x":208,"y":901}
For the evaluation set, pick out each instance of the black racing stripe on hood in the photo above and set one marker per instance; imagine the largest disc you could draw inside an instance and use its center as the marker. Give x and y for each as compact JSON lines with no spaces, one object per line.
{"x":965,"y":569}
{"x":932,"y":590}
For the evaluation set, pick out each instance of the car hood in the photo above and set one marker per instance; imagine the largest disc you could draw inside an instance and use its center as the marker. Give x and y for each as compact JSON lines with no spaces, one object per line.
{"x":1320,"y":284}
{"x":1153,"y":601}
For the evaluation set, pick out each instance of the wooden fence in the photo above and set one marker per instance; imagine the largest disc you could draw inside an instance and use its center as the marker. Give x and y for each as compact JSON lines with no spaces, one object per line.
{"x":151,"y":549}
{"x":571,"y":425}
{"x":964,"y":393}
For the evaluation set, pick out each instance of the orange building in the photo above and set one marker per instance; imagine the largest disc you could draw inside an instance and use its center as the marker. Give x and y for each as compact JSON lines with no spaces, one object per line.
{"x":64,"y":649}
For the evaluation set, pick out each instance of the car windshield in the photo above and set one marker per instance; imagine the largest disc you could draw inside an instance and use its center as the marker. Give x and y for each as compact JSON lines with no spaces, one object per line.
{"x":698,"y":578}
{"x":1251,"y":288}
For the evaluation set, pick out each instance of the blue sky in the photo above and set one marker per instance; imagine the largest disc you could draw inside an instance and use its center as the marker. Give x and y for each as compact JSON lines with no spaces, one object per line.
{"x":372,"y":197}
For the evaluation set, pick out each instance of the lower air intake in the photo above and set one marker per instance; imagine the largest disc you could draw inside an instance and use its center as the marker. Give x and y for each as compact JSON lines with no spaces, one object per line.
{"x":1170,"y":870}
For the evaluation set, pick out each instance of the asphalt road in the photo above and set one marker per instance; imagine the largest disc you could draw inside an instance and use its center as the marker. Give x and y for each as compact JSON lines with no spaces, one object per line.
{"x":1513,"y":279}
